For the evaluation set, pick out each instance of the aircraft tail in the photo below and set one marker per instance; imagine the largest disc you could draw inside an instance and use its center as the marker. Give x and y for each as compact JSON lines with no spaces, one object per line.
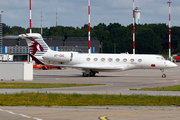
{"x":36,"y":60}
{"x":36,"y":44}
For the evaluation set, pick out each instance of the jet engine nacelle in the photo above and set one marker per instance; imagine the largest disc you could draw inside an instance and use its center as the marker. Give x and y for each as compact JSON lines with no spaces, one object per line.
{"x":58,"y":56}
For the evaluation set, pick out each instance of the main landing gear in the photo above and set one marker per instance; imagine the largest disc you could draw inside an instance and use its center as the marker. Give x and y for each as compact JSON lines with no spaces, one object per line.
{"x":164,"y":75}
{"x":90,"y":74}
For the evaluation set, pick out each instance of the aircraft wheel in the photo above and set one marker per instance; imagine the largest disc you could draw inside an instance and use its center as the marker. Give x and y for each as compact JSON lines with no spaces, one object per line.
{"x":164,"y":76}
{"x":92,"y":74}
{"x":84,"y":75}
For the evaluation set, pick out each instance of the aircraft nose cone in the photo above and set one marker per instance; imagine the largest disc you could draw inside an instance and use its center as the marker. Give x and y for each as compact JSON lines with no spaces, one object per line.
{"x":171,"y":64}
{"x":175,"y":65}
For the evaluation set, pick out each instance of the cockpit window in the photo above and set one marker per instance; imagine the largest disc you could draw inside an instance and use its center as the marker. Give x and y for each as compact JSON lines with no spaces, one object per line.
{"x":161,"y":58}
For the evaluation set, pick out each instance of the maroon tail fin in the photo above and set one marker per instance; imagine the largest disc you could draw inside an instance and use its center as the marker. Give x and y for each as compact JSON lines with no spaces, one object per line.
{"x":36,"y":60}
{"x":35,"y":46}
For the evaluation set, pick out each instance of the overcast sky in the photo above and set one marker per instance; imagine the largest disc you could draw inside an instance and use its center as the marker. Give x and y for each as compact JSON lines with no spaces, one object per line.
{"x":75,"y":13}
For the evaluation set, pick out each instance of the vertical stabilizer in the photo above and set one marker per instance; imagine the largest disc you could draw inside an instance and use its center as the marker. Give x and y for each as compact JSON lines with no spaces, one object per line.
{"x":36,"y":44}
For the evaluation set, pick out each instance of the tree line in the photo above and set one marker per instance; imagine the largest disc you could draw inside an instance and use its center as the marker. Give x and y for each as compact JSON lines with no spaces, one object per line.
{"x":150,"y":38}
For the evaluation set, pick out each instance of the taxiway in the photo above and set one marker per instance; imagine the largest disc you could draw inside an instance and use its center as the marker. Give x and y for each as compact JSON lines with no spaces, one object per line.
{"x":114,"y":83}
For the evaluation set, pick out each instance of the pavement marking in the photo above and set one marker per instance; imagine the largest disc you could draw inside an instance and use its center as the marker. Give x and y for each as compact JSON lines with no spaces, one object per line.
{"x":25,"y":116}
{"x":9,"y":112}
{"x":37,"y":118}
{"x":64,"y":116}
{"x":110,"y":115}
{"x":176,"y":80}
{"x":100,"y":118}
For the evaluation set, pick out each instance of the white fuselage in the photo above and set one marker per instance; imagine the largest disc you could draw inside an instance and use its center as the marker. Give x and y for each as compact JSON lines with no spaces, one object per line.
{"x":106,"y":62}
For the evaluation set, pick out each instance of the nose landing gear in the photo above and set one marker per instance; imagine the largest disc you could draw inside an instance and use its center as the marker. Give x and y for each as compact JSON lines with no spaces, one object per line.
{"x":164,"y":75}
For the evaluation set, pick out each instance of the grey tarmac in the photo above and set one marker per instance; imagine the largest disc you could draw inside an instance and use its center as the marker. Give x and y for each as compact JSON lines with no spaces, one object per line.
{"x":115,"y":83}
{"x":91,"y":113}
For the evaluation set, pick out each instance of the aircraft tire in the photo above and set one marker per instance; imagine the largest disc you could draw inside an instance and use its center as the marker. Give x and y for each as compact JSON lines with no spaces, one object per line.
{"x":92,"y":74}
{"x":164,"y":76}
{"x":85,"y":75}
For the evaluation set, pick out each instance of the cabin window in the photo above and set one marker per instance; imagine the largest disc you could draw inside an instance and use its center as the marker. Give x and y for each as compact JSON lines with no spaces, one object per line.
{"x":139,"y":60}
{"x":132,"y":60}
{"x":95,"y":59}
{"x":125,"y":60}
{"x":102,"y":59}
{"x":117,"y":59}
{"x":110,"y":59}
{"x":88,"y":59}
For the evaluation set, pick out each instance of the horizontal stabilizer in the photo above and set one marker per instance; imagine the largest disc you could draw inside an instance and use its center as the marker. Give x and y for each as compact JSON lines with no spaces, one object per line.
{"x":32,"y":35}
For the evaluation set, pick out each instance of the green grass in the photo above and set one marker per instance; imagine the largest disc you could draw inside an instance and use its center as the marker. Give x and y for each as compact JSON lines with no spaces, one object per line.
{"x":14,"y":85}
{"x":170,"y":88}
{"x":50,"y":99}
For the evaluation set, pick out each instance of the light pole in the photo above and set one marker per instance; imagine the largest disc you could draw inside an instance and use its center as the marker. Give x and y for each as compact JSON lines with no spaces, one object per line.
{"x":133,"y":31}
{"x":1,"y":41}
{"x":169,"y":2}
{"x":89,"y":34}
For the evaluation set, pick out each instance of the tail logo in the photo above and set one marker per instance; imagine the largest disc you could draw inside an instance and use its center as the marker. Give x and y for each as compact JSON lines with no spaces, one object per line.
{"x":34,"y":46}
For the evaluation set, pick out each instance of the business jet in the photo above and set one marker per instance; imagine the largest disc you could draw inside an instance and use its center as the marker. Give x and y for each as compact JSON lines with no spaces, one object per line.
{"x":90,"y":64}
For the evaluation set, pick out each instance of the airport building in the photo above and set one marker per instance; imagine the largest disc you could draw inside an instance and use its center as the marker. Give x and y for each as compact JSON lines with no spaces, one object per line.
{"x":19,"y":49}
